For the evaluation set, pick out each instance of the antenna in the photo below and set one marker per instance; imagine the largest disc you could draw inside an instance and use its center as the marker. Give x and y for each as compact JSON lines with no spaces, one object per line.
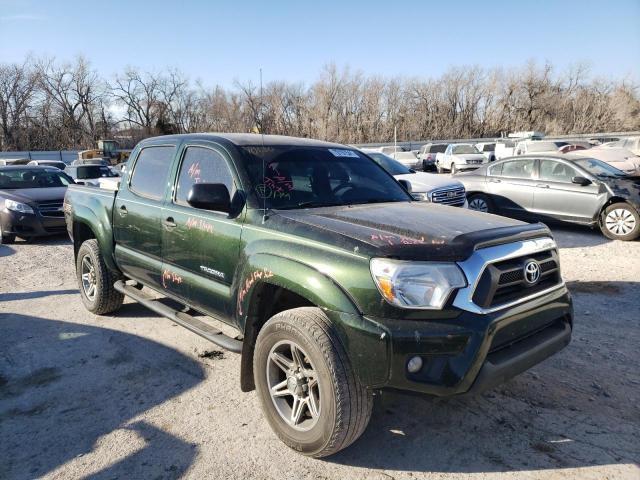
{"x":264,"y":197}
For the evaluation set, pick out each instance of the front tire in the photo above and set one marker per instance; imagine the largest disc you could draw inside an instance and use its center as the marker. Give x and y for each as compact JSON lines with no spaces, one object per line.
{"x":309,"y":393}
{"x":620,"y":221}
{"x":454,"y":169}
{"x":95,"y":280}
{"x":480,"y":203}
{"x":5,"y":238}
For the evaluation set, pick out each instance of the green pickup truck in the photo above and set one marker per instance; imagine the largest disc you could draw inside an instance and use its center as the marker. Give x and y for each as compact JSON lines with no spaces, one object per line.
{"x":337,"y":282}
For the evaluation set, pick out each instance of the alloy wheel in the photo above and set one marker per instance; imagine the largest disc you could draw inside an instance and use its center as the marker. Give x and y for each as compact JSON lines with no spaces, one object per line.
{"x":620,"y":221}
{"x":293,"y":385}
{"x":88,"y":278}
{"x":478,"y":204}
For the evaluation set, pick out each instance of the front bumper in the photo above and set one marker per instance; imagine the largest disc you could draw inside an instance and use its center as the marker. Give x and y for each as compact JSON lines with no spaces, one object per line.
{"x":31,"y":225}
{"x":466,"y":354}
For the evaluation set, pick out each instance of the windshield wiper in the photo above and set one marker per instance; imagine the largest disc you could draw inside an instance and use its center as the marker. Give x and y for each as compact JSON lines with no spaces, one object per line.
{"x":310,"y":205}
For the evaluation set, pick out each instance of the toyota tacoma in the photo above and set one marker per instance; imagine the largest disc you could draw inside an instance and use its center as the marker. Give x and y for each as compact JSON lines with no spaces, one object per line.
{"x":337,"y":282}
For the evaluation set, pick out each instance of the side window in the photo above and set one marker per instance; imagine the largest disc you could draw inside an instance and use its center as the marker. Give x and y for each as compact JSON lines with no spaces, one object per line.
{"x":551,"y":171}
{"x":496,"y":170}
{"x":150,"y":172}
{"x":202,"y":165}
{"x":518,"y":168}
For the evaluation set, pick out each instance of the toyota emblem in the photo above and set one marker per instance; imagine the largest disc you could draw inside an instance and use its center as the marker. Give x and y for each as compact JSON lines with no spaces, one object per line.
{"x":531,"y":272}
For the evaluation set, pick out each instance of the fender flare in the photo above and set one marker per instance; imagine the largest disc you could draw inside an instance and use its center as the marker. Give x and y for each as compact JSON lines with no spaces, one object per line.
{"x":293,"y":275}
{"x":87,"y":217}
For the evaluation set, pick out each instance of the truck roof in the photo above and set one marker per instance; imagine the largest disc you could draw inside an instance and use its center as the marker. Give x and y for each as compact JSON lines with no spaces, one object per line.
{"x":245,"y":139}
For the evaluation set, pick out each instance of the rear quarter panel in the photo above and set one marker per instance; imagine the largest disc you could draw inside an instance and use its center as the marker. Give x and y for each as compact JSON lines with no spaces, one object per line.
{"x":91,"y":207}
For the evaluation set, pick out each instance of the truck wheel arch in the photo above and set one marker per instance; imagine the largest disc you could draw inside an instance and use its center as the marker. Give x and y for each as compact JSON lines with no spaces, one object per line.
{"x":272,"y":294}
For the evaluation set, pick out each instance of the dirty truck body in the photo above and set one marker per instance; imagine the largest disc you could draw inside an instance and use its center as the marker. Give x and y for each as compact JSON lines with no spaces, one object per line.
{"x":334,"y":275}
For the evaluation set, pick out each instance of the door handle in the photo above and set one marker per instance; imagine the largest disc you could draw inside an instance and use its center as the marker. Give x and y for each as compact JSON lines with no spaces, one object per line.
{"x":123,"y":210}
{"x":542,"y":185}
{"x":169,"y":223}
{"x":495,"y":180}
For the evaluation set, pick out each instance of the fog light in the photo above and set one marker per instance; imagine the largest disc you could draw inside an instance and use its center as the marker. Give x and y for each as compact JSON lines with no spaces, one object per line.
{"x":414,"y":365}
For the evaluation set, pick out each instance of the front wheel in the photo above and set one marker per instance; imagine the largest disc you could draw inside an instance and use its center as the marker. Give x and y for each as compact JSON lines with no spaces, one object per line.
{"x":620,"y":221}
{"x":95,"y":280}
{"x":6,"y":238}
{"x":309,"y":393}
{"x":480,"y":203}
{"x":454,"y":169}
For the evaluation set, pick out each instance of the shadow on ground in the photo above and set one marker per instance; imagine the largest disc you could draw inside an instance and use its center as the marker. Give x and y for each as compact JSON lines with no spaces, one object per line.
{"x":13,"y":296}
{"x":64,"y":386}
{"x":576,"y":409}
{"x":577,"y":236}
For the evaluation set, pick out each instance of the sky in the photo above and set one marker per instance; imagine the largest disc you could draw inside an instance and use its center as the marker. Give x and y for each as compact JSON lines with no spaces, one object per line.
{"x":218,"y":42}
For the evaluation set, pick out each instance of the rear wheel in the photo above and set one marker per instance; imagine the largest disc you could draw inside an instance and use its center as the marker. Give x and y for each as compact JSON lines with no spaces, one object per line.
{"x":6,"y":238}
{"x":310,"y":394}
{"x":95,"y":280}
{"x":620,"y":221}
{"x":480,"y":203}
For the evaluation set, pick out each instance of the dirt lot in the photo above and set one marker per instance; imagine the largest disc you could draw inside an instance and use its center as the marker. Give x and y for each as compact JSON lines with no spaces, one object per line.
{"x":133,"y":396}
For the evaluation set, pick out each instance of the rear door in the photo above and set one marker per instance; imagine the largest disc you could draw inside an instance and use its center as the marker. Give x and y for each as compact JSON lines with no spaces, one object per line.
{"x":511,"y":185}
{"x":137,"y":214}
{"x":200,"y":247}
{"x":558,"y":197}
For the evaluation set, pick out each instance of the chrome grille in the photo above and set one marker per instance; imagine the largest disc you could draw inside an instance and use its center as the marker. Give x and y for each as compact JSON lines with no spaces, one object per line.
{"x":51,"y":209}
{"x":496,"y":275}
{"x":449,"y":196}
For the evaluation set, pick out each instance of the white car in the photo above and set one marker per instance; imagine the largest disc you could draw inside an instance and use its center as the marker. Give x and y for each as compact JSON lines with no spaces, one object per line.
{"x":621,"y":158}
{"x":427,"y":187}
{"x":488,"y":149}
{"x":458,"y":157}
{"x":630,"y":143}
{"x":528,"y":147}
{"x":408,"y":159}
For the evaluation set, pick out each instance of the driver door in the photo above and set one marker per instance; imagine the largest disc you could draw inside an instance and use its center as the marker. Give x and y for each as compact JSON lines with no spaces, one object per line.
{"x":201,"y":247}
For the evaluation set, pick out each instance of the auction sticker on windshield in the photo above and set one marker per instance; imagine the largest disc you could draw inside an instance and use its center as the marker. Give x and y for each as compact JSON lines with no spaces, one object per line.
{"x":343,"y":153}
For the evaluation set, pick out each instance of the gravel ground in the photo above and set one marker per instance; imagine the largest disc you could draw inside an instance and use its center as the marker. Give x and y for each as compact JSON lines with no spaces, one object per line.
{"x":134,"y":396}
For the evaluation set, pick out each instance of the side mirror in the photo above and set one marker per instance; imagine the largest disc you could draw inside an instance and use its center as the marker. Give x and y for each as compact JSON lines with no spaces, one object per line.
{"x":582,"y":181}
{"x":406,"y":184}
{"x":210,"y":196}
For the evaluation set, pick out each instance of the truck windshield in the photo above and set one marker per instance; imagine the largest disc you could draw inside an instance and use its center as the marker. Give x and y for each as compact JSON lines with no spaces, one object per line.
{"x":94,"y":171}
{"x":31,"y":178}
{"x":289,"y":177}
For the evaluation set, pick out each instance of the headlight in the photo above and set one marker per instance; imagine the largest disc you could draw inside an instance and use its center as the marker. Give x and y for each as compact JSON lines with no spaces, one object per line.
{"x":407,"y":284}
{"x":18,"y":207}
{"x":420,"y":196}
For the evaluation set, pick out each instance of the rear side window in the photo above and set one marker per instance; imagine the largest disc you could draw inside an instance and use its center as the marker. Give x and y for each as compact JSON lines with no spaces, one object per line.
{"x":151,"y":171}
{"x":518,"y":168}
{"x":439,"y":148}
{"x":202,"y":165}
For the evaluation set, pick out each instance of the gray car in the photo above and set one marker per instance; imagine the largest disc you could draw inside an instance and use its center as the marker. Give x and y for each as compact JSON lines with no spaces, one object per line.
{"x":573,"y":189}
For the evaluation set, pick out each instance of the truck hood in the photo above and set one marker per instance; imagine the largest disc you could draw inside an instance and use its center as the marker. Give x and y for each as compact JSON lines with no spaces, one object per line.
{"x":404,"y":230}
{"x":34,"y":195}
{"x":425,"y":182}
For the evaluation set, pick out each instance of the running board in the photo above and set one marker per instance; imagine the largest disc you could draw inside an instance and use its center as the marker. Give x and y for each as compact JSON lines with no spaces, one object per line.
{"x":183,"y":319}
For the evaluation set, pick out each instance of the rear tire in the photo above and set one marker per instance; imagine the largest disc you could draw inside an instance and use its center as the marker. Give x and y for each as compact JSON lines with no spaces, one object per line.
{"x":95,"y":280}
{"x":322,"y":372}
{"x":6,"y":238}
{"x":480,"y":203}
{"x":620,"y":221}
